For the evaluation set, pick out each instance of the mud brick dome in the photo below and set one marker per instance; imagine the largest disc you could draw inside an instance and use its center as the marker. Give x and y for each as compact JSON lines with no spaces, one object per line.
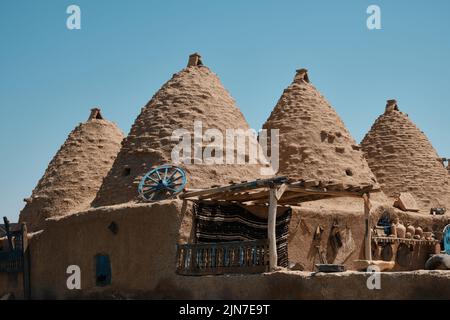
{"x":314,"y":142}
{"x":75,"y":174}
{"x":403,"y":159}
{"x":193,"y":94}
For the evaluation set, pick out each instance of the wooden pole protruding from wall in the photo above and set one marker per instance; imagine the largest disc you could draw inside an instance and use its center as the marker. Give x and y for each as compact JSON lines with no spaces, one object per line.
{"x":367,"y":232}
{"x":271,"y":229}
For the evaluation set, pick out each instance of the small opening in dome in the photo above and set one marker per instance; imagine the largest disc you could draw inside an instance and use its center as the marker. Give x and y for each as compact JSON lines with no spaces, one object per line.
{"x":126,"y":172}
{"x":113,"y":227}
{"x":349,"y":172}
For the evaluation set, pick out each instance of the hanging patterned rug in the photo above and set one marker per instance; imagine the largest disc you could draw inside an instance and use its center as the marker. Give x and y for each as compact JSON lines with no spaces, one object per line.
{"x":229,"y":222}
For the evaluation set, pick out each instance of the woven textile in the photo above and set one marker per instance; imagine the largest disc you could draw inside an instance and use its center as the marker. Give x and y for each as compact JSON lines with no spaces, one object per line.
{"x":228,"y":222}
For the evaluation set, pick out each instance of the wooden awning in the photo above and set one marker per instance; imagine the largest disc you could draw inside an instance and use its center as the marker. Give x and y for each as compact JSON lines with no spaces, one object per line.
{"x":288,"y":192}
{"x":282,"y":191}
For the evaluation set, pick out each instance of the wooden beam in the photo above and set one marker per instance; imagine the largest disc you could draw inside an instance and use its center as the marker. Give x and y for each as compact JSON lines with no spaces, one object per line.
{"x":235,"y":187}
{"x":293,"y":201}
{"x":325,"y":192}
{"x":289,"y":195}
{"x":367,"y":233}
{"x":248,"y":197}
{"x":271,"y":229}
{"x":280,"y":191}
{"x":219,"y":196}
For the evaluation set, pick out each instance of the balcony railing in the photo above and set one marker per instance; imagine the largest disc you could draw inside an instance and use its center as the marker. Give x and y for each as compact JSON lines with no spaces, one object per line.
{"x":11,"y":261}
{"x":241,"y":257}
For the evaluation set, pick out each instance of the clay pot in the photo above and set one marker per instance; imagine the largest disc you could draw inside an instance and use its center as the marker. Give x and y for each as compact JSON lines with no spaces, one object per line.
{"x":408,"y":235}
{"x":401,"y":230}
{"x":393,"y":231}
{"x":428,"y":235}
{"x":411,"y":230}
{"x":419,"y":232}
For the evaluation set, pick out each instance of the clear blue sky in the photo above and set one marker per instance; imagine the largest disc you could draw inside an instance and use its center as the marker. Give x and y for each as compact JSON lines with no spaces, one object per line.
{"x":50,"y":76}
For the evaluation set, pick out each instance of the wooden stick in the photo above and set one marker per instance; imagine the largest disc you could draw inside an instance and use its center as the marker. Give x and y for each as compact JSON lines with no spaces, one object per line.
{"x":367,"y":235}
{"x":281,"y":191}
{"x":236,"y":187}
{"x":307,"y":191}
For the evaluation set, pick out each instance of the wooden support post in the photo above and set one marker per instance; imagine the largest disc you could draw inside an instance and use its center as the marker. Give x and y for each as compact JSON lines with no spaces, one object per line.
{"x":367,"y":233}
{"x":8,"y":233}
{"x":271,"y":229}
{"x":26,"y":263}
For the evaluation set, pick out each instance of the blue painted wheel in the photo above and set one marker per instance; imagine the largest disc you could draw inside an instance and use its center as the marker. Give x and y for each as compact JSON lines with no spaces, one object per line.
{"x":446,"y":237}
{"x":162,"y":182}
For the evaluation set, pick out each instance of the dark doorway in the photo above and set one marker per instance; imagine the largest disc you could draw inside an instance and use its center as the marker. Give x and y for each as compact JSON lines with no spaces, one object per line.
{"x":102,"y":270}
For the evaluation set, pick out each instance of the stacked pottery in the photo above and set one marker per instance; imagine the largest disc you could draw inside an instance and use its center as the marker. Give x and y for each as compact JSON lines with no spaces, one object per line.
{"x":401,"y":229}
{"x":428,"y":235}
{"x":393,"y":230}
{"x":410,"y":231}
{"x":418,"y":233}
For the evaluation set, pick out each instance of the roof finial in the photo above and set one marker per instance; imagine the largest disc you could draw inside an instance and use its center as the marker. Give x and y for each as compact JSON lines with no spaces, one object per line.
{"x":195,"y":60}
{"x":301,"y":76}
{"x":95,"y":114}
{"x":391,"y":105}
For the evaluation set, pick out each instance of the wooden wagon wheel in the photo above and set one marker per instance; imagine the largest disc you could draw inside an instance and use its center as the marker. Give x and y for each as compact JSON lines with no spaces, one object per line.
{"x":162,"y":182}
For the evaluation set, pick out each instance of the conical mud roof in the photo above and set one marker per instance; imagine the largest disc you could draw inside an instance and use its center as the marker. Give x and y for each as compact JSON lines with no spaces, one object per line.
{"x":314,"y":142}
{"x":403,"y":159}
{"x":193,"y":94}
{"x":75,"y":174}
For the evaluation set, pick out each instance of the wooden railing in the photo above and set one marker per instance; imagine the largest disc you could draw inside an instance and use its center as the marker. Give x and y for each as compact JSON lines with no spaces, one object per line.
{"x":223,"y":258}
{"x":16,"y":258}
{"x":11,"y":261}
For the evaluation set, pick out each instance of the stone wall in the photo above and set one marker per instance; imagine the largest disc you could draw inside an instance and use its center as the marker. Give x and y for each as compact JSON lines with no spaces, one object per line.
{"x":306,"y":285}
{"x":143,"y":250}
{"x":11,"y":283}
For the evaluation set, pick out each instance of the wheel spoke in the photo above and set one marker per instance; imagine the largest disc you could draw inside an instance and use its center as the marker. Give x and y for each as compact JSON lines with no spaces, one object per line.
{"x":156,"y":181}
{"x":150,"y":183}
{"x":173,"y":173}
{"x":171,"y":189}
{"x":178,"y":178}
{"x":175,"y":184}
{"x":165,"y":172}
